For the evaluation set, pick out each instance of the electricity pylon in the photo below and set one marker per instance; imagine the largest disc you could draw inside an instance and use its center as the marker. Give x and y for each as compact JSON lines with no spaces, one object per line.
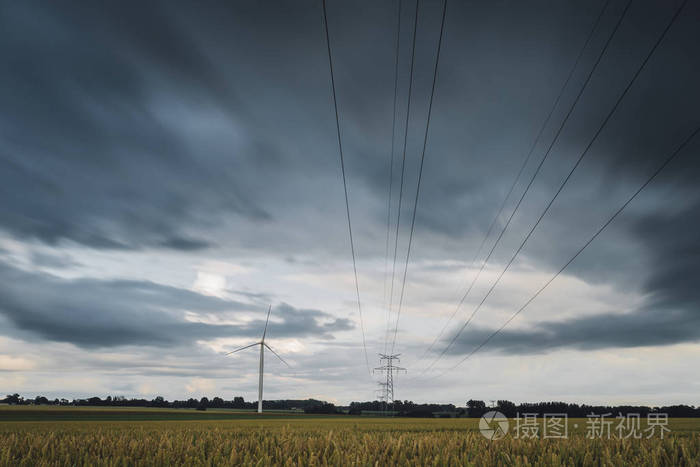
{"x":381,"y":392}
{"x":262,"y":345}
{"x":389,"y":369}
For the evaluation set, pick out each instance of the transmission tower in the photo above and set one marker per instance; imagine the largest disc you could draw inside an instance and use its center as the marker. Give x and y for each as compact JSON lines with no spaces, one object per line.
{"x":381,"y":394}
{"x":388,"y":368}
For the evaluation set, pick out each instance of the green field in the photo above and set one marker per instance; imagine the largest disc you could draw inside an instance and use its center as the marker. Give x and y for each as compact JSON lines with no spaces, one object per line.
{"x":135,"y":436}
{"x":67,"y":413}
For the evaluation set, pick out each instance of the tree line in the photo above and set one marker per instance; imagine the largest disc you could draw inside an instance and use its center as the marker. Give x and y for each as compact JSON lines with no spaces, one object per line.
{"x":403,"y":408}
{"x":474,"y":408}
{"x":312,"y":406}
{"x":160,"y":402}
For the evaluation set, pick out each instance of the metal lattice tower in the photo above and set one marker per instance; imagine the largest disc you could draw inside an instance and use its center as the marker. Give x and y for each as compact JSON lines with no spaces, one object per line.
{"x":388,"y":368}
{"x":381,"y":392}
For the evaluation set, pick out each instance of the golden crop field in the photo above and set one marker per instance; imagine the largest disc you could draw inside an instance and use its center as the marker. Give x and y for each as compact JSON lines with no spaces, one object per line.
{"x":283,"y":440}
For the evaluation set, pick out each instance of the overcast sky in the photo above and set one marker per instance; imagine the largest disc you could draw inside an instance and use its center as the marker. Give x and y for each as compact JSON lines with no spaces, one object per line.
{"x":168,"y":170}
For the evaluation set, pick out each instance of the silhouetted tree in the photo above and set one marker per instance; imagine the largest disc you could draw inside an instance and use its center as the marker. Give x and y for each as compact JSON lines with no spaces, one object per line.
{"x":14,"y":399}
{"x":507,"y":408}
{"x":476,"y":408}
{"x":238,"y":403}
{"x":203,"y":404}
{"x":159,"y":401}
{"x":41,"y":400}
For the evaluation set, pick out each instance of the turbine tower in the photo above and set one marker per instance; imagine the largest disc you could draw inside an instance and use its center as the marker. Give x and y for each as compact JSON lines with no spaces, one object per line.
{"x":262,"y":345}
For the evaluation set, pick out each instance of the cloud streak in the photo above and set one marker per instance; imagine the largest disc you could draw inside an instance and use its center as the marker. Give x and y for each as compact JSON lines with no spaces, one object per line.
{"x":106,"y":313}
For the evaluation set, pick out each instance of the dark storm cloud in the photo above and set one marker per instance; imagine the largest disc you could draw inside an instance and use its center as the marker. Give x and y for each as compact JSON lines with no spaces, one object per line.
{"x":107,"y":313}
{"x":627,"y":256}
{"x":148,"y":125}
{"x":462,"y":193}
{"x":652,"y":249}
{"x":656,"y":325}
{"x":603,"y":331}
{"x":85,"y":154}
{"x":144,"y":125}
{"x":670,"y":314}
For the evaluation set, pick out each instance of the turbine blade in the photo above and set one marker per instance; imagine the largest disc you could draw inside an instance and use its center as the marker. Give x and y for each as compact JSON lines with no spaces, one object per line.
{"x":276,"y":354}
{"x":242,"y":348}
{"x":266,"y":321}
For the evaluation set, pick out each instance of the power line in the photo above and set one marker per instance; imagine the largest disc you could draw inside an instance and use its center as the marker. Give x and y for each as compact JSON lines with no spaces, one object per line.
{"x":345,"y":185}
{"x":403,"y":161}
{"x":541,"y":163}
{"x":537,"y":171}
{"x":420,"y":171}
{"x":568,"y":177}
{"x":517,"y":177}
{"x":585,"y":245}
{"x":391,"y":171}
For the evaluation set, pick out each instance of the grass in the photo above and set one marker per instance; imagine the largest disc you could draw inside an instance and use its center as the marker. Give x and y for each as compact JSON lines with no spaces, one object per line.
{"x":68,"y":413}
{"x":161,"y":437}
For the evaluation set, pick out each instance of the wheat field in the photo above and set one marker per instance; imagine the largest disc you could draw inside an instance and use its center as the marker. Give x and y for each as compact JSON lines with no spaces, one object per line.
{"x":324,"y":441}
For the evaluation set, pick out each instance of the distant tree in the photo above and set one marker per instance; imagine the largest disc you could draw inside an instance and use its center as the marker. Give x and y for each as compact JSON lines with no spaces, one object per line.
{"x":41,"y":400}
{"x":476,"y":408}
{"x":508,"y":408}
{"x":203,"y":404}
{"x":238,"y":402}
{"x":159,"y":401}
{"x":14,"y":399}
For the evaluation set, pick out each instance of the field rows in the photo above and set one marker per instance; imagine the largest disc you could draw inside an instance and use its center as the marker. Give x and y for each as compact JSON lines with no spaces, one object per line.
{"x":322,"y":442}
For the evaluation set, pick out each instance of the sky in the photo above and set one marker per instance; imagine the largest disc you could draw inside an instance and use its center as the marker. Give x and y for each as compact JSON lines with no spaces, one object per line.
{"x":169,"y":170}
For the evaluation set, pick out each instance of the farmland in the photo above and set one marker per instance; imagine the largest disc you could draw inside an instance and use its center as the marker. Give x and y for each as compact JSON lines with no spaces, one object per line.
{"x":87,"y":436}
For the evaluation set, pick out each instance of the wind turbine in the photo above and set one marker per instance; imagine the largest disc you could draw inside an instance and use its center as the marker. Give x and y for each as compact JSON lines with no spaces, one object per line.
{"x":262,"y":345}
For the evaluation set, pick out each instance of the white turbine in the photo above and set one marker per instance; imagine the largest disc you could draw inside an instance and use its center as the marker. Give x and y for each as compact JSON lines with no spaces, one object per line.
{"x":262,"y":345}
